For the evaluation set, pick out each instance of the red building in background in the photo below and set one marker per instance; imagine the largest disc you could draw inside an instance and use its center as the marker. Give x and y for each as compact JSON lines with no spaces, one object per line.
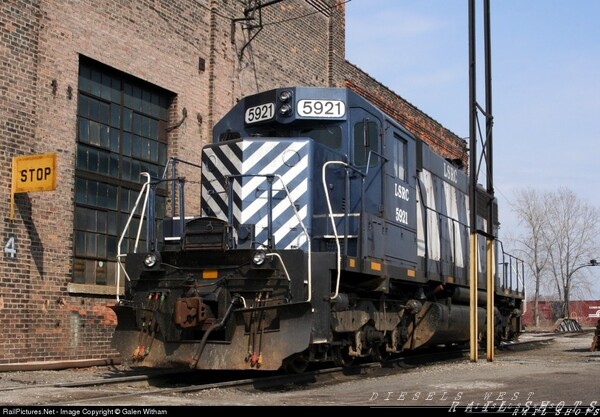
{"x":587,"y":313}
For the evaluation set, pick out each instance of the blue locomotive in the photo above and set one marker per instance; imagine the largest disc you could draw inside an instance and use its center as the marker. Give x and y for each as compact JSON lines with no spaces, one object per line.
{"x":327,"y":232}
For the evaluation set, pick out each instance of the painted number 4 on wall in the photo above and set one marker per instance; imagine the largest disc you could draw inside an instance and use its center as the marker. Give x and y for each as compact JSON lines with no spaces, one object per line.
{"x":10,"y":249}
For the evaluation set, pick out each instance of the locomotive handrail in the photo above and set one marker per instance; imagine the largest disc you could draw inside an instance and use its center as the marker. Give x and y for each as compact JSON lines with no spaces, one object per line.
{"x":287,"y":193}
{"x":337,"y":241}
{"x":173,"y":162}
{"x":145,"y":191}
{"x":369,"y":160}
{"x":453,"y":221}
{"x":278,"y":256}
{"x":331,"y":216}
{"x":514,"y":264}
{"x":296,"y":214}
{"x":446,"y":216}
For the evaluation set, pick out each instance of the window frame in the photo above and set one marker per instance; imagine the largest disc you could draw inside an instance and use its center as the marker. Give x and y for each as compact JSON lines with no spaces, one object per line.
{"x":99,"y":195}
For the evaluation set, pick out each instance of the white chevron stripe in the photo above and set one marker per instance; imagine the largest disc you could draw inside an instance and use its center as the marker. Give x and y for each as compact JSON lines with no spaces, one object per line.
{"x":284,"y":204}
{"x":265,"y":147}
{"x":270,"y":168}
{"x":212,"y":204}
{"x":254,"y":159}
{"x":229,"y":153}
{"x":212,"y":199}
{"x":251,"y":210}
{"x":237,"y":187}
{"x":259,"y":203}
{"x":253,"y":207}
{"x":292,"y":226}
{"x":295,"y":194}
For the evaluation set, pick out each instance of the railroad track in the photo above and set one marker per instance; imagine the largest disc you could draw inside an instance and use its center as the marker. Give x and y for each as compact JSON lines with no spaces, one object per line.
{"x":118,"y":390}
{"x":112,"y":380}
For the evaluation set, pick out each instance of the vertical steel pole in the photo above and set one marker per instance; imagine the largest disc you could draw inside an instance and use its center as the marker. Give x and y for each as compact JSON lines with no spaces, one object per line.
{"x":489,"y":121}
{"x":473,"y":264}
{"x":173,"y":191}
{"x":491,"y":272}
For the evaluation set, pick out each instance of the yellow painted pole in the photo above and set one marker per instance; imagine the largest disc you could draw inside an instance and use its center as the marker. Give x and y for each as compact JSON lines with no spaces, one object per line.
{"x":491,"y":289}
{"x":11,"y":214}
{"x":473,"y":269}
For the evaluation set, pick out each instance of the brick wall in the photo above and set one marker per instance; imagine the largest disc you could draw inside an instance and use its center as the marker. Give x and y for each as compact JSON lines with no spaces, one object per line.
{"x":19,"y":54}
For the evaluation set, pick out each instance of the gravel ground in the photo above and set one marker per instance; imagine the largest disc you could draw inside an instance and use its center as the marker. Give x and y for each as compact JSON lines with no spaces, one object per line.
{"x":559,"y":370}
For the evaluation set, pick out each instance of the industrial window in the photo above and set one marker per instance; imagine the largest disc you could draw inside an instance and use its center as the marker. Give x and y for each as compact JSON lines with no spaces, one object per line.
{"x":400,"y":157}
{"x":121,"y":133}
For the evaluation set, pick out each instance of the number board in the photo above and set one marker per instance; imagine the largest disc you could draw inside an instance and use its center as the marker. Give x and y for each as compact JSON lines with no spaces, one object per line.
{"x":322,"y":109}
{"x":259,"y":113}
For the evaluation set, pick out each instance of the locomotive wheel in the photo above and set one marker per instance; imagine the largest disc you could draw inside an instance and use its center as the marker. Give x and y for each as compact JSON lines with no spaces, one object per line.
{"x":341,"y":357}
{"x":295,"y":364}
{"x":380,"y":354}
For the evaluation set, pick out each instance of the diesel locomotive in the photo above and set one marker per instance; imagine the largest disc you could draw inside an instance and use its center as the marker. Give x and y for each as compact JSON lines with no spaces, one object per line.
{"x":327,"y":232}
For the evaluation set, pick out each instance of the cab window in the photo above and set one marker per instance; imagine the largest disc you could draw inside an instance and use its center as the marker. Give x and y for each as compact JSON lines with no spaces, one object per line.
{"x":400,"y":157}
{"x":229,"y":135}
{"x":366,"y":139}
{"x":330,"y":136}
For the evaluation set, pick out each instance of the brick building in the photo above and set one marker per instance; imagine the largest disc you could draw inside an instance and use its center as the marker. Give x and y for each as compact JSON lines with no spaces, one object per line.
{"x":117,"y":87}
